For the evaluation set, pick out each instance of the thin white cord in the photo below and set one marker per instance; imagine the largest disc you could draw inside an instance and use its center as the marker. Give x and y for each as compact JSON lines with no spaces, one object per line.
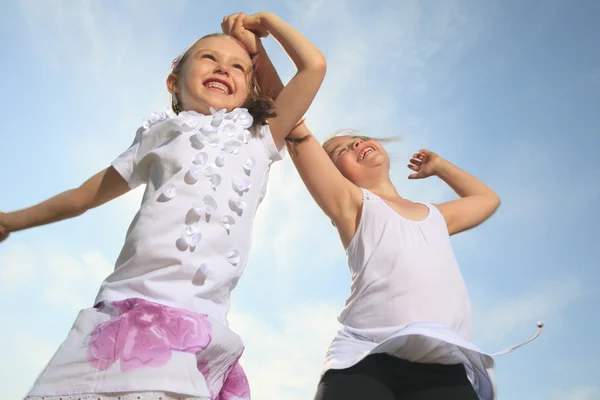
{"x":540,"y":326}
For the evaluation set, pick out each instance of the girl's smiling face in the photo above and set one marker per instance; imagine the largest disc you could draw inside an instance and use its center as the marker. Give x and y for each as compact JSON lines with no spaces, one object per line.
{"x":216,"y":73}
{"x":358,"y":158}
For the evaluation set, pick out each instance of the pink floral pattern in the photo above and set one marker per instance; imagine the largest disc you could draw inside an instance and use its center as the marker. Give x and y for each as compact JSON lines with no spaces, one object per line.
{"x":236,"y":385}
{"x":145,"y":334}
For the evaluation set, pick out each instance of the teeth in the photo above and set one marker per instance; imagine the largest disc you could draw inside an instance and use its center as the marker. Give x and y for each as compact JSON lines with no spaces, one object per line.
{"x":367,"y":151}
{"x":218,"y":85}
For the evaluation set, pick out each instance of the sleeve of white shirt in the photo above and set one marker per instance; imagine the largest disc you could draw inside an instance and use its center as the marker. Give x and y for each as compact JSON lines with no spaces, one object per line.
{"x":263,"y":132}
{"x":126,"y":163}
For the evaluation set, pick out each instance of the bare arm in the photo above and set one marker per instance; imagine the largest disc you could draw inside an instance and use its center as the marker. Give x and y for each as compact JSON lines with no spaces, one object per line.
{"x":266,"y":75}
{"x":339,"y":198}
{"x":477,"y":201}
{"x":99,"y":189}
{"x":293,"y":100}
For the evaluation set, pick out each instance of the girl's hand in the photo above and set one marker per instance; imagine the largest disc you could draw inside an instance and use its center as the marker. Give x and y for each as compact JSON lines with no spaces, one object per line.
{"x":256,"y":24}
{"x":4,"y":231}
{"x":424,"y":163}
{"x":233,"y":25}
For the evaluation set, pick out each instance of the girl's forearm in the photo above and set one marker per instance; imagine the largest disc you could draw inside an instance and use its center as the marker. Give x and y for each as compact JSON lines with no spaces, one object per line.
{"x":266,"y":74}
{"x":303,"y":53}
{"x":463,"y":183}
{"x":62,"y":206}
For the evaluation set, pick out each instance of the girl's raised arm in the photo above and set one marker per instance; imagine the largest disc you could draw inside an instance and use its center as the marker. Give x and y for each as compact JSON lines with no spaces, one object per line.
{"x":295,"y":98}
{"x":477,"y":201}
{"x":99,"y":189}
{"x":339,"y":198}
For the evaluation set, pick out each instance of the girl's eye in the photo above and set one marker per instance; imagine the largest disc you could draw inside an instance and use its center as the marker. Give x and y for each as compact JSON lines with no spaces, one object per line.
{"x":209,"y":56}
{"x":239,"y":66}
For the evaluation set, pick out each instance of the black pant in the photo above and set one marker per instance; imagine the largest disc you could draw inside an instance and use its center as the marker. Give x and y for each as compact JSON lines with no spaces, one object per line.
{"x":384,"y":377}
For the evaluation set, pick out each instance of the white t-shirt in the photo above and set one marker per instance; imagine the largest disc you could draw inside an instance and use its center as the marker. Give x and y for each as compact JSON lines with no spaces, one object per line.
{"x":160,"y":324}
{"x":189,"y":243}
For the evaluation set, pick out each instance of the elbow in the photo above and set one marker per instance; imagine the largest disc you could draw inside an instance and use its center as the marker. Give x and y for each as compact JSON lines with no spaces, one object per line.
{"x":318,"y":64}
{"x":80,"y":202}
{"x":321,"y":64}
{"x":495,"y":201}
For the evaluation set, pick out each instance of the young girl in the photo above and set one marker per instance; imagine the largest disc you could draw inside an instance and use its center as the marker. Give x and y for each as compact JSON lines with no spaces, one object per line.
{"x":158,"y":328}
{"x":407,"y":322}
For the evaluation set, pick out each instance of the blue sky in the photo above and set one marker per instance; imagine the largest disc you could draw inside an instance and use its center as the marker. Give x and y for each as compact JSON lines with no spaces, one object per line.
{"x":508,"y":90}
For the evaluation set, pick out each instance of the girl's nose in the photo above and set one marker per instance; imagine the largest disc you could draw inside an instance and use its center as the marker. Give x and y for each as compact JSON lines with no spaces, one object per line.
{"x":222,"y":70}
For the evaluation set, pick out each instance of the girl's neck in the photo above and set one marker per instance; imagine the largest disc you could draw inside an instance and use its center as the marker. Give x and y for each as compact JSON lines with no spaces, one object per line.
{"x":385,"y":189}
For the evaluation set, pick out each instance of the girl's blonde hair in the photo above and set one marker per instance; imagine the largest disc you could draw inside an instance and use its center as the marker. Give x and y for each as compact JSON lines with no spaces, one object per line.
{"x":258,"y":104}
{"x":355,"y":134}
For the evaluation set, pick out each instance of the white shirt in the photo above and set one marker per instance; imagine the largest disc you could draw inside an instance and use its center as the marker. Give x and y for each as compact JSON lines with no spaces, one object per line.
{"x":408,"y":297}
{"x":205,"y":176}
{"x":160,"y":318}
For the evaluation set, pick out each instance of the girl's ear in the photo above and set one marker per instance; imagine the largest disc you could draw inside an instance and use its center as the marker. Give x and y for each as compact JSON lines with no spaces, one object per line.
{"x":173,"y":83}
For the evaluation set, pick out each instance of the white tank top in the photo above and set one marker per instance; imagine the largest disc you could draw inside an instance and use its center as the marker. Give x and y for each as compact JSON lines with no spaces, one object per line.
{"x":404,"y":271}
{"x":408,"y":297}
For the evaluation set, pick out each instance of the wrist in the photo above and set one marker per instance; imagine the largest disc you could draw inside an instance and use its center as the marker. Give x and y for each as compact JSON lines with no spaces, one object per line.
{"x":4,"y":223}
{"x":441,"y":166}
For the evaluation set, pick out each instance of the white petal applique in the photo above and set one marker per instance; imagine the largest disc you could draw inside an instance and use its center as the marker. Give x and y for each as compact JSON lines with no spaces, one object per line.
{"x":208,"y":129}
{"x":248,"y":165}
{"x":241,"y":185}
{"x":157,"y":117}
{"x":229,"y":129}
{"x":215,"y":181}
{"x":206,"y":207}
{"x":210,"y":204}
{"x":233,"y":256}
{"x":211,"y":135}
{"x":233,"y":114}
{"x":169,"y":191}
{"x":221,"y":159}
{"x":244,"y":136}
{"x":217,"y":116}
{"x":191,"y":235}
{"x":201,"y":159}
{"x":189,"y":124}
{"x":232,"y":146}
{"x":200,"y":276}
{"x":210,"y":170}
{"x":212,"y":139}
{"x":195,"y":172}
{"x":244,"y":118}
{"x":237,"y":205}
{"x":197,"y":141}
{"x":228,"y":222}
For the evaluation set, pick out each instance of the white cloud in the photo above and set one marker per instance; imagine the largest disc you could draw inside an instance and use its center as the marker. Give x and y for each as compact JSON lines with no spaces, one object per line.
{"x":585,"y":392}
{"x":67,"y":279}
{"x":17,"y":265}
{"x":283,"y":358}
{"x":542,"y":302}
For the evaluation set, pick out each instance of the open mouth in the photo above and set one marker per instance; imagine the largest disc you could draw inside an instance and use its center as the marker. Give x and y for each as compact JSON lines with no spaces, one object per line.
{"x":364,"y":152}
{"x":218,"y":85}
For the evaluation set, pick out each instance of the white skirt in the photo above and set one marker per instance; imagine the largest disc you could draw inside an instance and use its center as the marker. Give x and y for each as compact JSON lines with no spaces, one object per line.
{"x":424,"y":342}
